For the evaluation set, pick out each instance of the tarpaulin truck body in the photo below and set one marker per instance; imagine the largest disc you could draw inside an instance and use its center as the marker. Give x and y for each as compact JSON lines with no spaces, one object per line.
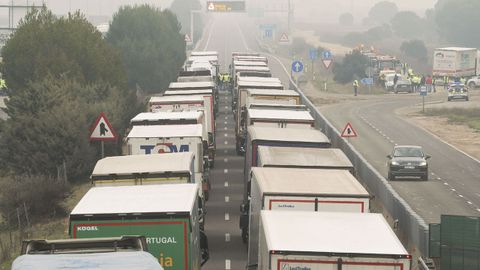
{"x":146,"y":140}
{"x":454,"y":62}
{"x":172,"y":168}
{"x":298,"y":157}
{"x":207,"y":95}
{"x":167,"y":215}
{"x":327,"y":241}
{"x":315,"y":190}
{"x":280,"y":119}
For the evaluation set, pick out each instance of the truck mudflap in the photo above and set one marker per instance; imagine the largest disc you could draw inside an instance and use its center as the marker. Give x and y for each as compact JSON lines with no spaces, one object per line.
{"x":211,"y":156}
{"x":244,"y":220}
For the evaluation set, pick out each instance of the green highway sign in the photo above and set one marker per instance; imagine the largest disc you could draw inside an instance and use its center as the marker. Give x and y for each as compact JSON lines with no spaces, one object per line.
{"x":226,"y":6}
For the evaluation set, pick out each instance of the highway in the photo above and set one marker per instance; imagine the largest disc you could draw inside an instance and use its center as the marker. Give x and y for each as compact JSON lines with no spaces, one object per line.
{"x":225,"y":35}
{"x":454,"y":186}
{"x":454,"y":182}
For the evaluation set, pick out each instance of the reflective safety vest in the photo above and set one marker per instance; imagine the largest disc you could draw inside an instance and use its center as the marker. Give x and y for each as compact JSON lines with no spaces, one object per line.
{"x":3,"y":84}
{"x":226,"y":78}
{"x":355,"y":83}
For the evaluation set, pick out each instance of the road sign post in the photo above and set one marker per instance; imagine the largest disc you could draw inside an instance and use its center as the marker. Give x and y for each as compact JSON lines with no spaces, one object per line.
{"x":423,"y":93}
{"x":327,"y":59}
{"x":102,"y":131}
{"x":313,"y":55}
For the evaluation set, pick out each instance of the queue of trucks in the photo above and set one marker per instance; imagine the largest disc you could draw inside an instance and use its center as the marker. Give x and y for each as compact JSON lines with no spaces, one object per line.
{"x":302,"y":208}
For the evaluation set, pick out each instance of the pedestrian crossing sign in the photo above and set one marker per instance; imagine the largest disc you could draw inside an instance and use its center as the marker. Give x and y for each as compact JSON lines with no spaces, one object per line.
{"x":348,"y":131}
{"x":101,"y":130}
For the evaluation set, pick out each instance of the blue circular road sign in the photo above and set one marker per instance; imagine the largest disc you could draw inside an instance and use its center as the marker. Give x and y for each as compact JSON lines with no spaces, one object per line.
{"x":297,"y":66}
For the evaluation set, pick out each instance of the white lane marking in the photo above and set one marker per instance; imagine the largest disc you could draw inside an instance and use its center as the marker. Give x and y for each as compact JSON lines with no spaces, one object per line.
{"x":469,"y":202}
{"x":445,"y":183}
{"x":226,"y":107}
{"x":452,"y":189}
{"x":226,"y":135}
{"x":227,"y":264}
{"x":227,"y":199}
{"x":460,"y":195}
{"x":227,"y":237}
{"x":226,"y":117}
{"x":225,"y":128}
{"x":226,"y":142}
{"x":227,"y":216}
{"x":478,"y":209}
{"x":225,"y":171}
{"x":226,"y":122}
{"x":226,"y":184}
{"x":225,"y":160}
{"x":209,"y":36}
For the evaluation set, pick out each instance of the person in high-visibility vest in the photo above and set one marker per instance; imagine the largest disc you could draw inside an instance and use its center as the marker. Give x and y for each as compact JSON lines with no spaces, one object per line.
{"x":355,"y":87}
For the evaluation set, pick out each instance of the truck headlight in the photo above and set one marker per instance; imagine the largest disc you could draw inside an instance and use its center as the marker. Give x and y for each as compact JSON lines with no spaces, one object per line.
{"x":423,"y":164}
{"x":394,"y":163}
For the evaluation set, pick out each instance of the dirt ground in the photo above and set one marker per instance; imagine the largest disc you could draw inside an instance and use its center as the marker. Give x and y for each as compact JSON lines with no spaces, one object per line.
{"x":461,"y":136}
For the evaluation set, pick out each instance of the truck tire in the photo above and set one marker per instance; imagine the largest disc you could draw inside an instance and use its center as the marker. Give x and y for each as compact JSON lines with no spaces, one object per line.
{"x":466,"y":99}
{"x":472,"y":85}
{"x":391,"y":177}
{"x":245,"y":235}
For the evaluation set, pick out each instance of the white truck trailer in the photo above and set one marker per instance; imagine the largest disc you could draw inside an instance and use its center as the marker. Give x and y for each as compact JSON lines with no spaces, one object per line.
{"x":146,"y":140}
{"x":454,"y":62}
{"x":315,"y":190}
{"x":177,"y":103}
{"x":327,"y":241}
{"x":280,"y":119}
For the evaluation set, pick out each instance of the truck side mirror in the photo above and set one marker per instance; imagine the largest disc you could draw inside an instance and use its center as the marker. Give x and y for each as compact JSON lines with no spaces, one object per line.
{"x":389,"y":156}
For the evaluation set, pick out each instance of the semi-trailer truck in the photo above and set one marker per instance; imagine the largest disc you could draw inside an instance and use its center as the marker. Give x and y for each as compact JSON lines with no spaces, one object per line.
{"x":113,"y":253}
{"x":316,"y":190}
{"x":146,"y":140}
{"x":328,"y":240}
{"x":454,"y":62}
{"x":167,"y":215}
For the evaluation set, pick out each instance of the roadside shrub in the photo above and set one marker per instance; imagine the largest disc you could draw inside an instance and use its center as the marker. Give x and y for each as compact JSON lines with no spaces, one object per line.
{"x":414,"y":48}
{"x":40,"y":194}
{"x":353,"y":66}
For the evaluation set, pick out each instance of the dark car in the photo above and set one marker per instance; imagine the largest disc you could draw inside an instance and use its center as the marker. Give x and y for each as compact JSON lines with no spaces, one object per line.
{"x":407,"y":160}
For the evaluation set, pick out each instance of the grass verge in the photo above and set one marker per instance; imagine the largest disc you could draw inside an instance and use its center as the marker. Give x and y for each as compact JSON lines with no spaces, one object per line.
{"x":52,"y":228}
{"x":469,"y":117}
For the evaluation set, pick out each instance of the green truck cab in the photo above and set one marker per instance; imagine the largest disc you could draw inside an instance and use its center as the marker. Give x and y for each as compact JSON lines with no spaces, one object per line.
{"x":167,"y":215}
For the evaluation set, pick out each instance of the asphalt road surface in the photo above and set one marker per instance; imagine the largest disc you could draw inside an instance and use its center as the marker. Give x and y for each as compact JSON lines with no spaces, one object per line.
{"x":454,"y":181}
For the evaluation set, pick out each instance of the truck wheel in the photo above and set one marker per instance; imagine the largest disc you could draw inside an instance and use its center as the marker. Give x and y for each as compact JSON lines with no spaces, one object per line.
{"x":206,"y":194}
{"x":391,"y":177}
{"x":472,"y":85}
{"x":212,"y":164}
{"x":245,"y":236}
{"x":466,"y":99}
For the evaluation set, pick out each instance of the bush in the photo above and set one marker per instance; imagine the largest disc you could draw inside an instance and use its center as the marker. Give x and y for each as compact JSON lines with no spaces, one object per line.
{"x":414,"y":48}
{"x":298,"y":46}
{"x":41,"y":195}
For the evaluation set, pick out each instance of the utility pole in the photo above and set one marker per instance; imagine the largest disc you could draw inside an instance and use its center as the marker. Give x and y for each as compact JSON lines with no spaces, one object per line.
{"x":288,"y":16}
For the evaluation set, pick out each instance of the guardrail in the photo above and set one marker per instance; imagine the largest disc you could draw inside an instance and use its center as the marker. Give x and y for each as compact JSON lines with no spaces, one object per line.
{"x":411,"y":227}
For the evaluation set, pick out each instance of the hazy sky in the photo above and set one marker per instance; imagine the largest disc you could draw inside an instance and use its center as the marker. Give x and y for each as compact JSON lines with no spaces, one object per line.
{"x":318,"y":10}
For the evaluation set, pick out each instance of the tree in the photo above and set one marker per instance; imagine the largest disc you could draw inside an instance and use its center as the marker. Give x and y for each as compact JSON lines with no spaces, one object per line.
{"x":63,"y":47}
{"x":382,"y":12}
{"x":353,"y":66}
{"x":345,"y":19}
{"x":458,"y":21}
{"x":414,"y":48}
{"x":49,"y":124}
{"x":407,"y":24}
{"x":298,"y":46}
{"x":150,"y":42}
{"x":182,"y":9}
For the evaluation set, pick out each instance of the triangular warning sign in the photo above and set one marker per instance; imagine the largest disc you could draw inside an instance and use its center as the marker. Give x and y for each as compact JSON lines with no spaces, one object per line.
{"x":101,"y":130}
{"x":327,"y":63}
{"x":211,"y":6}
{"x":348,"y":131}
{"x":187,"y":38}
{"x":284,"y":38}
